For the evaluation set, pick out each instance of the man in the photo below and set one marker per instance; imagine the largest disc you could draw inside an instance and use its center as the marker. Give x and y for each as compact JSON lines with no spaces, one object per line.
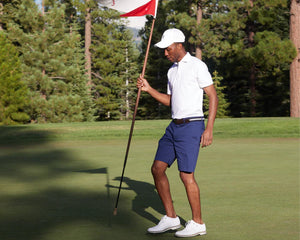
{"x":187,"y":79}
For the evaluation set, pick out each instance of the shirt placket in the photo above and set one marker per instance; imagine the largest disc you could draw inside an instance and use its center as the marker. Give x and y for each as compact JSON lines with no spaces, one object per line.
{"x":177,"y":76}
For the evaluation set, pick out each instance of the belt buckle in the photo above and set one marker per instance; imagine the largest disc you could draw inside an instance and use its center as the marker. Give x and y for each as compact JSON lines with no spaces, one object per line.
{"x":180,"y":121}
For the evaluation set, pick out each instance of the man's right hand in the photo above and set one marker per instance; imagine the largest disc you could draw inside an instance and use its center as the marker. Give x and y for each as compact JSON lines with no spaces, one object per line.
{"x":145,"y":86}
{"x":143,"y":83}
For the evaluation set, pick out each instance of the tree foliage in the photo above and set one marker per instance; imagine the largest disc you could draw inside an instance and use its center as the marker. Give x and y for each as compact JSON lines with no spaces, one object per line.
{"x":114,"y":69}
{"x":223,"y":104}
{"x":250,"y":47}
{"x":13,"y":92}
{"x":246,"y":42}
{"x":52,"y":63}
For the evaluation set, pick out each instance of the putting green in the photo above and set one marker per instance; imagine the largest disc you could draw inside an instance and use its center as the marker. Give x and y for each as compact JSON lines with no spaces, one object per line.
{"x":55,"y":186}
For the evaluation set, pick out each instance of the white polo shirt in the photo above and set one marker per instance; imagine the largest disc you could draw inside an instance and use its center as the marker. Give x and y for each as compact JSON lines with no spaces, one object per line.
{"x":186,"y":80}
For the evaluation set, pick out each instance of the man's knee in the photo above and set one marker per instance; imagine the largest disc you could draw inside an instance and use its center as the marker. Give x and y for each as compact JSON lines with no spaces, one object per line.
{"x":158,"y":168}
{"x":187,"y":178}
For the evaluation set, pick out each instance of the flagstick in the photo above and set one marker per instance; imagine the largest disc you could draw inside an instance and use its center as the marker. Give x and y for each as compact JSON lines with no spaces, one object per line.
{"x":134,"y":115}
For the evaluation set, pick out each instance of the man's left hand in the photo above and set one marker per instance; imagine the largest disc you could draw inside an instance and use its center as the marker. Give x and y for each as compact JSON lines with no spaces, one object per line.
{"x":206,"y":138}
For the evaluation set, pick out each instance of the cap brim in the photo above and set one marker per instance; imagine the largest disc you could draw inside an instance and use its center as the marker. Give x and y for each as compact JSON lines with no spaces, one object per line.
{"x":163,"y":44}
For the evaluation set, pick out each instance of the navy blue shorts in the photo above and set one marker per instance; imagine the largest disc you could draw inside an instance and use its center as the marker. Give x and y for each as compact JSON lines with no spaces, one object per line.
{"x":181,"y":142}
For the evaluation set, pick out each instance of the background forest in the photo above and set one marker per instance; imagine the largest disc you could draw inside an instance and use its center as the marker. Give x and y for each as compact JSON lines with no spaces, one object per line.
{"x":75,"y":60}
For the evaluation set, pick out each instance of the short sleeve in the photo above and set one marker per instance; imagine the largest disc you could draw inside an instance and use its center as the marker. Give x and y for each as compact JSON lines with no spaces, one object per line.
{"x":203,"y":76}
{"x":169,"y":90}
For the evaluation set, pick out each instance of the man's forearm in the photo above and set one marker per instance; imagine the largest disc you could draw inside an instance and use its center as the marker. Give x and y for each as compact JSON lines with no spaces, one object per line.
{"x":160,"y":97}
{"x":212,"y":112}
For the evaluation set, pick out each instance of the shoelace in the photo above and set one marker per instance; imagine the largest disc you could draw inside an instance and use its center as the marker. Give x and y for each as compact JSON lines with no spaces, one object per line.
{"x":189,"y":224}
{"x":164,"y":218}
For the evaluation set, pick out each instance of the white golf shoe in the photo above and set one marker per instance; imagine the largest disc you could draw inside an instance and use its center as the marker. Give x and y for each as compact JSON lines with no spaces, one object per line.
{"x":192,"y":229}
{"x":165,"y":224}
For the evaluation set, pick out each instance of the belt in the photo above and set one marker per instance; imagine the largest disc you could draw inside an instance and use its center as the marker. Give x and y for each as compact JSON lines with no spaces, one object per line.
{"x":187,"y":120}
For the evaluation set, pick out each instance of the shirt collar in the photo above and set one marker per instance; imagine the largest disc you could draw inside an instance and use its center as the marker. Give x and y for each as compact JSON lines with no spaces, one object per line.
{"x":185,"y":59}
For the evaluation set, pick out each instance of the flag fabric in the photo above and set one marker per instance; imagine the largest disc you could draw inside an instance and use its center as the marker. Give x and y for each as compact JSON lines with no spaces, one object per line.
{"x":150,"y":8}
{"x":134,"y":8}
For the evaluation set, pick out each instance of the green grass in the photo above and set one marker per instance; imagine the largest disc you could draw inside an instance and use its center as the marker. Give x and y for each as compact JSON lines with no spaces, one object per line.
{"x":59,"y":181}
{"x":224,"y":128}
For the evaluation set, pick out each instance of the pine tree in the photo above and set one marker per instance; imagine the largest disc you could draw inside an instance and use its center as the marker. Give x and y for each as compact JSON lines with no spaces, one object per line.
{"x":13,"y":92}
{"x":236,"y":38}
{"x":6,"y":11}
{"x":248,"y":41}
{"x":223,"y":104}
{"x":113,"y":64}
{"x":86,"y":7}
{"x":53,"y":63}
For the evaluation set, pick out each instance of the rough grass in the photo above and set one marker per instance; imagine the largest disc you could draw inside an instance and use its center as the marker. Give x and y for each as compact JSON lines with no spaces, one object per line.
{"x":59,"y":181}
{"x":224,"y":128}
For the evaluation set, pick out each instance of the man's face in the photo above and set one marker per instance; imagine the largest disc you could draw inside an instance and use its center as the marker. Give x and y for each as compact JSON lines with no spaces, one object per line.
{"x":172,"y":52}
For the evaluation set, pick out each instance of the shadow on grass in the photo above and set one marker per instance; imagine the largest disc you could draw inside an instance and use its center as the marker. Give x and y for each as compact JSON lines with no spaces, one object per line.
{"x":44,"y":194}
{"x":34,"y":201}
{"x":25,"y":135}
{"x":146,"y":197}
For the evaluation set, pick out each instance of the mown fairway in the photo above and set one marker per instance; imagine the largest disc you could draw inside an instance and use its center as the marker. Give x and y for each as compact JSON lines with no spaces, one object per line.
{"x":59,"y":181}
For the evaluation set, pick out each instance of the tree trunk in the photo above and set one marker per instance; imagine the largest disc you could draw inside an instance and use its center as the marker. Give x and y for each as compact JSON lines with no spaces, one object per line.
{"x":71,"y":26}
{"x":88,"y":41}
{"x":199,"y":18}
{"x":252,"y":79}
{"x":252,"y":73}
{"x":1,"y":13}
{"x":42,"y":92}
{"x":127,"y":106}
{"x":295,"y":66}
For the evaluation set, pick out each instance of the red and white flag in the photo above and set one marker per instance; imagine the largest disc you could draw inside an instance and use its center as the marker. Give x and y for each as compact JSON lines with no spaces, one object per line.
{"x":134,"y":8}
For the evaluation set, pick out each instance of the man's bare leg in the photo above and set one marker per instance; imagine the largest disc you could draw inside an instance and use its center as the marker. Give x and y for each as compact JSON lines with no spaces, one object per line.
{"x":193,"y":194}
{"x":163,"y":187}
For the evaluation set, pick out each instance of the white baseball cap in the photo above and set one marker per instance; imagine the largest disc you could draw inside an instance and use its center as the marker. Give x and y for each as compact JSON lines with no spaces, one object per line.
{"x":170,"y":36}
